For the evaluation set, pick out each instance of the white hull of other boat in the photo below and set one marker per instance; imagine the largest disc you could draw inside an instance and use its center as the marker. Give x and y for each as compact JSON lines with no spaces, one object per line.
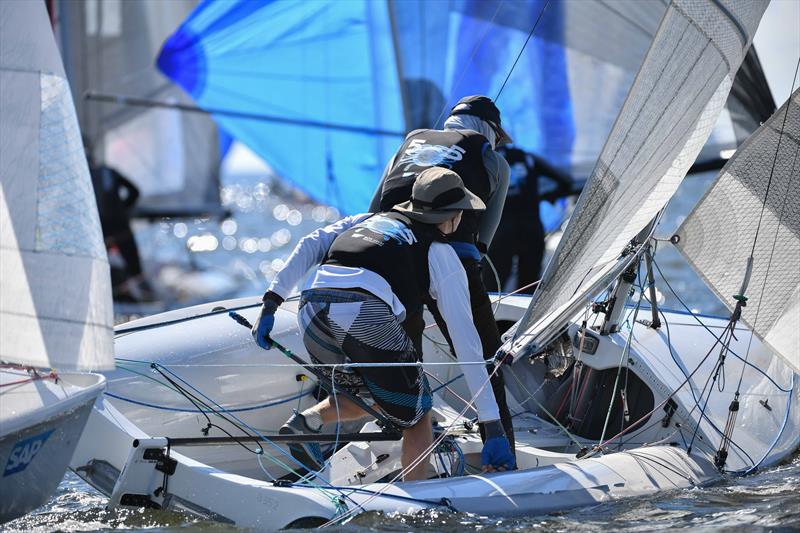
{"x":41,"y":423}
{"x":129,"y":453}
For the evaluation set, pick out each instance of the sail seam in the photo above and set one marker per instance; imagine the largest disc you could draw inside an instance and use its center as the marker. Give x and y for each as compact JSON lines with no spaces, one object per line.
{"x":54,"y":319}
{"x":690,"y":20}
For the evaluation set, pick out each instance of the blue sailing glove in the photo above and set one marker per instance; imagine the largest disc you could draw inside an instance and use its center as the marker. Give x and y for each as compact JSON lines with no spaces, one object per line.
{"x":266,"y":320}
{"x":496,"y":454}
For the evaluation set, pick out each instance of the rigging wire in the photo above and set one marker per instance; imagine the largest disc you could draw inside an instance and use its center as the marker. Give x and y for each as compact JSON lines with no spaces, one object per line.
{"x":469,"y":60}
{"x":566,"y":432}
{"x":530,"y":34}
{"x":322,"y":488}
{"x":741,"y":299}
{"x":780,"y":217}
{"x":718,"y":339}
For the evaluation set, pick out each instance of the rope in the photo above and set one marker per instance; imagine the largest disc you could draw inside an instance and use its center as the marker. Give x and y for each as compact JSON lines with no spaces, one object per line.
{"x":423,"y":456}
{"x":718,"y":339}
{"x":237,"y":410}
{"x":545,"y":411}
{"x":496,"y":280}
{"x":733,"y":409}
{"x":313,"y":365}
{"x":622,"y":358}
{"x":469,"y":60}
{"x":780,"y":217}
{"x":530,"y":34}
{"x":244,"y":425}
{"x":35,"y":377}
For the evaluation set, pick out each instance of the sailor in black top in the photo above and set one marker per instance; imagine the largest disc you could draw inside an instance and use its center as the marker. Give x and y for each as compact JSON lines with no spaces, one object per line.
{"x":467,"y":146}
{"x":520,"y":233}
{"x":375,"y":271}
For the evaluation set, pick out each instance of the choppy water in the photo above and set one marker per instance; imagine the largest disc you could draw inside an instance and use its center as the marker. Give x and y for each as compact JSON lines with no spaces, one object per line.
{"x":266,"y":223}
{"x":766,"y":501}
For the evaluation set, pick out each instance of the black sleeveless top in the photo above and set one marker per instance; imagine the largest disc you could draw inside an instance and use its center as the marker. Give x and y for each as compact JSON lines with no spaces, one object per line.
{"x":394,"y":247}
{"x":459,"y":150}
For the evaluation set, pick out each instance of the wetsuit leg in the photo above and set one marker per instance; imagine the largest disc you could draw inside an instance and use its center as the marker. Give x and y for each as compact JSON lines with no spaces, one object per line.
{"x":530,"y":248}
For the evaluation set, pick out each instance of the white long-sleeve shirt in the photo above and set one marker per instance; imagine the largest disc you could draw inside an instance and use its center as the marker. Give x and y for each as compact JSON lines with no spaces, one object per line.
{"x":448,"y":287}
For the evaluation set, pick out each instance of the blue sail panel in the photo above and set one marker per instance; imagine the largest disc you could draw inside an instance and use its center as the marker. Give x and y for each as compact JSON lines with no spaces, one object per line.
{"x":327,"y":62}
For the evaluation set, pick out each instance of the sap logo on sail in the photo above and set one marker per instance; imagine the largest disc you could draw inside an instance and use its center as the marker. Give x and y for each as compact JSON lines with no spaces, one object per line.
{"x":421,"y":154}
{"x":24,"y":451}
{"x":387,"y":228}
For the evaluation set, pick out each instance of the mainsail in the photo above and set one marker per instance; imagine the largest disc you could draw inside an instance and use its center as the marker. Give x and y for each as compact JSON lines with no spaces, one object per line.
{"x":666,"y":119}
{"x":55,"y":301}
{"x":754,"y":207}
{"x":171,"y":156}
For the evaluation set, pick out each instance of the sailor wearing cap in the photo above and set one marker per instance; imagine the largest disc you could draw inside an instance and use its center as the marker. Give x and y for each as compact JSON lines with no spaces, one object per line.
{"x":466,"y":145}
{"x":374,"y":271}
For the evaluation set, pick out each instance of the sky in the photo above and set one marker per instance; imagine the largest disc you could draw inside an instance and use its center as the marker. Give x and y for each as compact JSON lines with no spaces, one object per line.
{"x":777,"y":42}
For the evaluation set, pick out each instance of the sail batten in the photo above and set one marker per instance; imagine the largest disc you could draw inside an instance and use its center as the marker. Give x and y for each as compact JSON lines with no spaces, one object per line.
{"x":669,"y":113}
{"x":754,"y":206}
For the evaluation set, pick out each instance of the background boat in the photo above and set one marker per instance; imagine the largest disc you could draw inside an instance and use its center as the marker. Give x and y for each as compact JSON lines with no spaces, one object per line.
{"x":55,"y":300}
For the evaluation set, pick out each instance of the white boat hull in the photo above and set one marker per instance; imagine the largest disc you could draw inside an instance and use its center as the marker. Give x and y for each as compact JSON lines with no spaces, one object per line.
{"x":138,"y":480}
{"x":42,"y":422}
{"x":125,"y":447}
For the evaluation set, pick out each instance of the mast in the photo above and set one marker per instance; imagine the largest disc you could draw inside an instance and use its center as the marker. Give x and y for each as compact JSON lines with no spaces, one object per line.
{"x":615,"y":306}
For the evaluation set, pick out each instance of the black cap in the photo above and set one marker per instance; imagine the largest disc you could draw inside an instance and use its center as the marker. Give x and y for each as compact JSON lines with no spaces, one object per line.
{"x":482,"y":107}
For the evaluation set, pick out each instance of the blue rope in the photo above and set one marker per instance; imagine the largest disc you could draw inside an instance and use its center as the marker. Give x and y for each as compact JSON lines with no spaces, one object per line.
{"x":695,"y":316}
{"x":443,"y":385}
{"x":259,"y":434}
{"x":179,"y":410}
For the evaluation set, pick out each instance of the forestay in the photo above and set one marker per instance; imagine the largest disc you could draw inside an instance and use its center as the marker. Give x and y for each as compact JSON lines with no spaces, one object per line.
{"x":55,"y":302}
{"x":719,"y":235}
{"x":666,"y":119}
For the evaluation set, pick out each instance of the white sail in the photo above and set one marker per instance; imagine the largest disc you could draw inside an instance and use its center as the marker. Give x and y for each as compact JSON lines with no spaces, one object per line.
{"x":669,"y":113}
{"x":171,"y":156}
{"x":55,"y":294}
{"x":719,"y":234}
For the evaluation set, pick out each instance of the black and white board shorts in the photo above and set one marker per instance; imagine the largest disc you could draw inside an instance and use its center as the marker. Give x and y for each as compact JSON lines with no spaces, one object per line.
{"x":343,"y":326}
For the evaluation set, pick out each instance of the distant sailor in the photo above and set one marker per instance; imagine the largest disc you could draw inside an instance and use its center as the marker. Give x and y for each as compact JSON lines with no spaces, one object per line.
{"x":467,"y":146}
{"x":375,"y":271}
{"x":521,"y":233}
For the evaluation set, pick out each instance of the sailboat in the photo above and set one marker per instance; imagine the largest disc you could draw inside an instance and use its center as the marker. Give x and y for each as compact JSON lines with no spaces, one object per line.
{"x":55,"y":298}
{"x":171,"y":158}
{"x":611,"y":399}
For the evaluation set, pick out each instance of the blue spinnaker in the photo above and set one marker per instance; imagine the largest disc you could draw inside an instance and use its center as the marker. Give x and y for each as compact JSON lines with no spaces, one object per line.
{"x":312,"y":69}
{"x":324,"y":61}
